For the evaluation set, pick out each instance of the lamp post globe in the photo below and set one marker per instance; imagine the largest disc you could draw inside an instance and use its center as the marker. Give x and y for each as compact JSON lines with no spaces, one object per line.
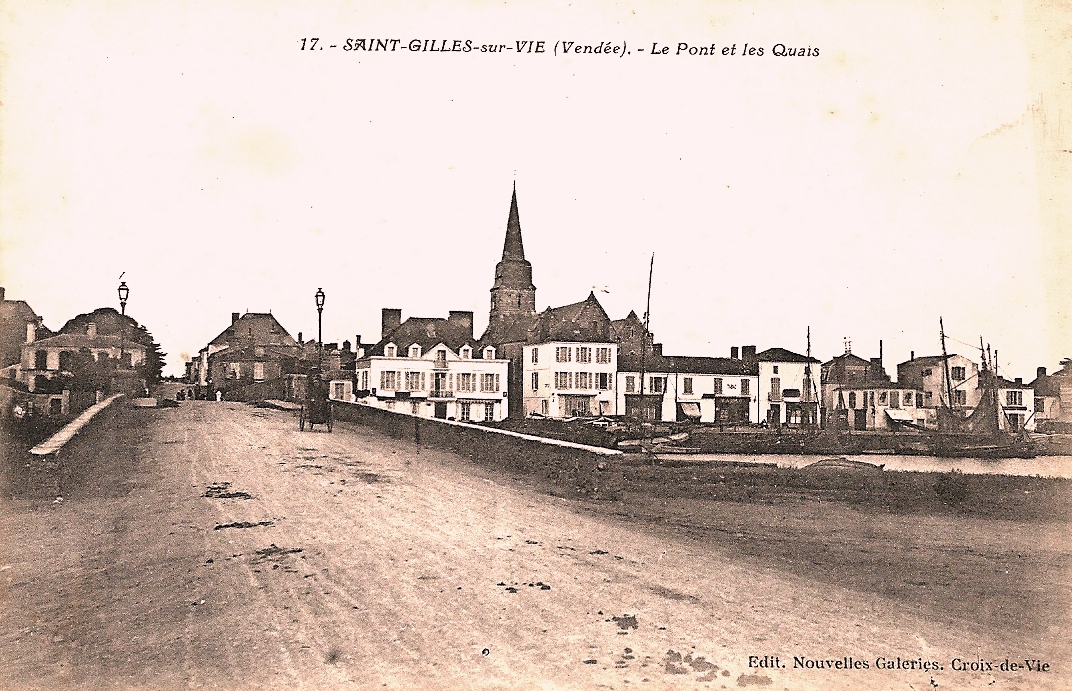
{"x":124,"y":292}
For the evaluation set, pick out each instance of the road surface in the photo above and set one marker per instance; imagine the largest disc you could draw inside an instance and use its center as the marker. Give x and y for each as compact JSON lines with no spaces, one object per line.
{"x":351,"y":560}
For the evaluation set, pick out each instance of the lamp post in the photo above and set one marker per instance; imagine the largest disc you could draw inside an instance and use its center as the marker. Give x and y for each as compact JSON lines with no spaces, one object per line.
{"x":124,"y":293}
{"x":319,"y":326}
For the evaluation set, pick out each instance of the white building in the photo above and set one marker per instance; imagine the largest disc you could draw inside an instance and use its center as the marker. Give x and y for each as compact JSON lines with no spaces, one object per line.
{"x":787,"y":387}
{"x":430,"y":368}
{"x":570,"y":378}
{"x":702,"y":389}
{"x":1017,"y":402}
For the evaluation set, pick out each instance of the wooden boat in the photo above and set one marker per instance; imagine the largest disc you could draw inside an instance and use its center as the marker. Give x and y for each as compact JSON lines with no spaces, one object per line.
{"x":844,"y":464}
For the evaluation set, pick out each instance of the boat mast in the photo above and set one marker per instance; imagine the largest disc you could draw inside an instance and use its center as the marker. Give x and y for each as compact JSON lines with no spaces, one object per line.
{"x":945,"y":363}
{"x":644,"y":343}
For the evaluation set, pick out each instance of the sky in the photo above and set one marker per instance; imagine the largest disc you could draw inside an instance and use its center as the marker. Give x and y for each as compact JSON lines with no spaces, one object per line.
{"x":911,"y":170}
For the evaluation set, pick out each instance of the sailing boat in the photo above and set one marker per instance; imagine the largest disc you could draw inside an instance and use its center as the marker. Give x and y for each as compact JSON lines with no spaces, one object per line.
{"x":978,"y":434}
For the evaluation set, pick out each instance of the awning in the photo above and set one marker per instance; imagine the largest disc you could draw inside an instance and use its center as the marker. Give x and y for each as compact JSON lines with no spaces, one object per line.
{"x":899,"y":415}
{"x":691,"y":410}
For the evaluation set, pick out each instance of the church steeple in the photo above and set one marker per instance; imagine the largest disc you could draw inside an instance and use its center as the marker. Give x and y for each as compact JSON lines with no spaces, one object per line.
{"x":513,"y":248}
{"x":513,"y":293}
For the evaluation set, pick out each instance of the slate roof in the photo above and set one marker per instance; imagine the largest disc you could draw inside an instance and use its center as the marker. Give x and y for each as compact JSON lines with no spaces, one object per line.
{"x":782,"y":355}
{"x":427,"y":332}
{"x":259,"y":327}
{"x":685,"y":364}
{"x":584,"y":322}
{"x":926,"y":360}
{"x":82,"y":340}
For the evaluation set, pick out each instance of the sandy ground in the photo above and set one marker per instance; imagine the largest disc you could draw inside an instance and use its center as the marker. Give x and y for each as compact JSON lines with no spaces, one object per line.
{"x":361,"y":563}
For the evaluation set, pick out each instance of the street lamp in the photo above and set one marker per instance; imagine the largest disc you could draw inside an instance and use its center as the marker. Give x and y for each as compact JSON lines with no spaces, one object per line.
{"x":124,"y":292}
{"x":319,"y":325}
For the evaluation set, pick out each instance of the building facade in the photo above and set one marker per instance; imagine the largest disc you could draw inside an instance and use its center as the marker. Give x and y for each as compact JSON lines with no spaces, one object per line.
{"x":430,"y":367}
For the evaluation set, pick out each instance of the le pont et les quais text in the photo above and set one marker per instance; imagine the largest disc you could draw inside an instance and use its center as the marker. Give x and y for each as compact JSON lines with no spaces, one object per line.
{"x":560,"y":48}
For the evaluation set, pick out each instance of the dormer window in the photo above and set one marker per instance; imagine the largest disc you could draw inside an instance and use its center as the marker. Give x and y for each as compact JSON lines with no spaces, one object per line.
{"x":414,"y":350}
{"x":466,"y":352}
{"x":389,"y":350}
{"x":489,"y":353}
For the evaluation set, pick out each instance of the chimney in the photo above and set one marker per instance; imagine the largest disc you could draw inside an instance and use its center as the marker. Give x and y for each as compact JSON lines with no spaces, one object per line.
{"x":346,"y":346}
{"x":911,"y":355}
{"x":357,"y":341}
{"x":657,"y":348}
{"x":300,"y":340}
{"x":1019,"y":381}
{"x":880,"y":353}
{"x":31,"y":332}
{"x":389,"y":320}
{"x":234,"y":317}
{"x":748,"y":352}
{"x":1040,"y":372}
{"x":91,"y":330}
{"x":733,"y":352}
{"x":463,"y":320}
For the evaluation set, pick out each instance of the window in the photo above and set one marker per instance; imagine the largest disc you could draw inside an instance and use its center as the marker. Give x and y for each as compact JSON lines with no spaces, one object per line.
{"x":776,"y":387}
{"x":852,"y":399}
{"x":535,"y":381}
{"x":745,"y":388}
{"x":563,"y":380}
{"x":562,"y":354}
{"x":907,"y":398}
{"x":882,"y":397}
{"x":925,"y":373}
{"x":466,"y":381}
{"x":489,"y":353}
{"x":535,"y":356}
{"x":389,"y":351}
{"x":960,"y":397}
{"x":919,"y":399}
{"x":687,"y":384}
{"x":718,"y":386}
{"x":584,"y":354}
{"x":466,"y":352}
{"x":656,"y":384}
{"x":41,"y":359}
{"x":1014,"y":398}
{"x":776,"y":369}
{"x":584,"y":380}
{"x":603,"y":381}
{"x":441,"y":359}
{"x":957,"y":373}
{"x":388,"y":380}
{"x":545,"y":407}
{"x":895,"y":399}
{"x":603,"y":356}
{"x":489,"y":412}
{"x":414,"y":381}
{"x":489,"y":382}
{"x":466,"y":411}
{"x":1040,"y":405}
{"x":258,"y":371}
{"x":630,"y":383}
{"x":414,"y":350}
{"x":928,"y":396}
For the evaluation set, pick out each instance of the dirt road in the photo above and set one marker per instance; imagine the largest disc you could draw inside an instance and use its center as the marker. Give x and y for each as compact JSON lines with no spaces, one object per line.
{"x":216,"y":546}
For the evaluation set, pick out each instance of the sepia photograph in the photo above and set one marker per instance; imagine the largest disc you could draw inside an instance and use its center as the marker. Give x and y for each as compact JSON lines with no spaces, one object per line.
{"x":535,"y":345}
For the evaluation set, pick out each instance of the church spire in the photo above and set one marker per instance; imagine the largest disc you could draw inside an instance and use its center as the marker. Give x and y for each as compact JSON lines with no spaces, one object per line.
{"x":513,"y":248}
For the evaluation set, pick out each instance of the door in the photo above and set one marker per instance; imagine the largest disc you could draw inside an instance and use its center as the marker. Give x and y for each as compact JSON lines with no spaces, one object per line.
{"x":774,"y":414}
{"x":441,"y":410}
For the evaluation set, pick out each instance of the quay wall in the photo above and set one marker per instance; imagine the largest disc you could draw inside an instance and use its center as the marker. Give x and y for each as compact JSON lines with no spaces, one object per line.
{"x":582,"y":469}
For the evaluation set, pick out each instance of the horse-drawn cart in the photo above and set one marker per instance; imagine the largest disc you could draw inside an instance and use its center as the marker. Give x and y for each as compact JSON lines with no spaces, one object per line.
{"x":316,"y":410}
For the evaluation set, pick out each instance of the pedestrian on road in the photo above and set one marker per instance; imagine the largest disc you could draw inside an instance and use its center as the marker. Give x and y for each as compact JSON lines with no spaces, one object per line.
{"x":219,"y":395}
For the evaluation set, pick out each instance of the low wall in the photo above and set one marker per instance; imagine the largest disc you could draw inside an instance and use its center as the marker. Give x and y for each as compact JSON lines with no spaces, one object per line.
{"x":574,"y":468}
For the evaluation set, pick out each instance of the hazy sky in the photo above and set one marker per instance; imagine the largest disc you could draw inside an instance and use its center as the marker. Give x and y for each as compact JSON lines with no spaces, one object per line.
{"x":864,"y":192}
